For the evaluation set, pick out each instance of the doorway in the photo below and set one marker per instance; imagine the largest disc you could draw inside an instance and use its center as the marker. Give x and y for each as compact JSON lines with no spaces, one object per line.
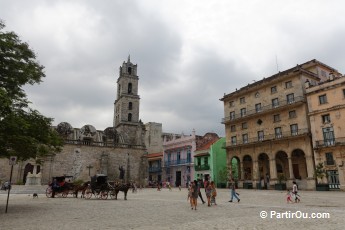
{"x":178,"y":178}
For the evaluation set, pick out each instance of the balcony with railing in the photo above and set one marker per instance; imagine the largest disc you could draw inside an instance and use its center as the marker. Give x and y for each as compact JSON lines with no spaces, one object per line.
{"x":156,"y":169}
{"x":330,"y":142}
{"x":271,"y":137}
{"x":264,"y":109}
{"x":202,"y":167}
{"x":329,"y":162}
{"x":177,"y":162}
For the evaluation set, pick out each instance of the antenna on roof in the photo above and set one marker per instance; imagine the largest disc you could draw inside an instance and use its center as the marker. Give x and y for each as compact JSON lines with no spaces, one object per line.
{"x":277,"y":63}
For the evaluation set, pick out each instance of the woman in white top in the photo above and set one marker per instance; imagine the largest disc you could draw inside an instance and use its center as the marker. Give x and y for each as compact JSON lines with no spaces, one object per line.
{"x":295,"y":191}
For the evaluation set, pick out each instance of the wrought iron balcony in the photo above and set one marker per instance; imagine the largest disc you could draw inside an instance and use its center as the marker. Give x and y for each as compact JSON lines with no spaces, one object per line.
{"x":329,"y":162}
{"x":177,"y":162}
{"x":202,"y":167}
{"x":263,"y":109}
{"x":271,"y":137}
{"x":330,"y":142}
{"x":155,"y":169}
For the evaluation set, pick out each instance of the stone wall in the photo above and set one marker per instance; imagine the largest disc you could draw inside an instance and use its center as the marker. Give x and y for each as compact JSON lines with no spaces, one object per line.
{"x":74,"y":160}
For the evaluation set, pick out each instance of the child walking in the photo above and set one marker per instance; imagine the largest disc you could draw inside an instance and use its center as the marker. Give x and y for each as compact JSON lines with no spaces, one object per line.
{"x":288,"y":197}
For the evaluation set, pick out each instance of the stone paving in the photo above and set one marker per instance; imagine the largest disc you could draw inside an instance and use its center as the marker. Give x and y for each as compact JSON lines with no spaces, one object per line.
{"x":152,"y":209}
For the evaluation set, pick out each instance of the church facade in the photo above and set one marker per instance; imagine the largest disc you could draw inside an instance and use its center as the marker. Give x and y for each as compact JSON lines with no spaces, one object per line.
{"x":88,"y":151}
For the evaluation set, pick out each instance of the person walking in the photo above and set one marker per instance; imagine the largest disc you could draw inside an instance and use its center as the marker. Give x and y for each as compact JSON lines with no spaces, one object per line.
{"x":288,"y":197}
{"x":208,"y":190}
{"x":199,"y":193}
{"x":195,"y":194}
{"x":233,"y":191}
{"x":190,"y":196}
{"x":295,"y":191}
{"x":55,"y":187}
{"x":213,"y":193}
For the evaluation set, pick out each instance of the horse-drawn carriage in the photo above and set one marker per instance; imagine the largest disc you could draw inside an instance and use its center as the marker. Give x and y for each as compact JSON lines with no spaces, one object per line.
{"x":99,"y":187}
{"x":61,"y":186}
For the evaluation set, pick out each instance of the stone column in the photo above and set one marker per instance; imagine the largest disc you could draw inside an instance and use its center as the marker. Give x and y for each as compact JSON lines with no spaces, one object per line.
{"x":255,"y":176}
{"x":230,"y":167}
{"x":273,"y":171}
{"x":241,"y":171}
{"x":273,"y":168}
{"x":255,"y":170}
{"x":310,"y":167}
{"x":290,"y":169}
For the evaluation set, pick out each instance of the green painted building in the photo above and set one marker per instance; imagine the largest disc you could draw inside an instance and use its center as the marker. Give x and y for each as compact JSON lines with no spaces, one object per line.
{"x":219,"y":167}
{"x":210,"y":162}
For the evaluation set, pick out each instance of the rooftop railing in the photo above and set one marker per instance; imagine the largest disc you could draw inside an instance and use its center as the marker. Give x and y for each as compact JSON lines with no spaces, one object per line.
{"x":101,"y":144}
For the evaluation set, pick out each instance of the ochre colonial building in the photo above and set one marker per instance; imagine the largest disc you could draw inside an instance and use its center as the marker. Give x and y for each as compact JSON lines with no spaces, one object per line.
{"x":326,"y":103}
{"x":268,"y":130}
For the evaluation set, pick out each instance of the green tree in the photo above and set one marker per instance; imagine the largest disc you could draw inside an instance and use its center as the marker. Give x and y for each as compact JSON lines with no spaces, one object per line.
{"x":223,"y":175}
{"x":320,"y":173}
{"x":24,"y":132}
{"x":234,"y":166}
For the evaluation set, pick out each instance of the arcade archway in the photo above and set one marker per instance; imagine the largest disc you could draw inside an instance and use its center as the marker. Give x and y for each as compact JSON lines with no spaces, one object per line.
{"x":299,"y":164}
{"x":248,"y":167}
{"x":264,"y":169}
{"x":282,"y":164}
{"x":235,"y":168}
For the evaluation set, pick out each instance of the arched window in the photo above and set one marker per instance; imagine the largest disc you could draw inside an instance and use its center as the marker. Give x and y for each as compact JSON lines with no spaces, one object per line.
{"x":129,"y":70}
{"x":129,"y":117}
{"x":129,"y":88}
{"x":130,"y":106}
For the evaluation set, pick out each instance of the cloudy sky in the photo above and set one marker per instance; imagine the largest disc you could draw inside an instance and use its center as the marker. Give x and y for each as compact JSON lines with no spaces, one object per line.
{"x":189,"y":53}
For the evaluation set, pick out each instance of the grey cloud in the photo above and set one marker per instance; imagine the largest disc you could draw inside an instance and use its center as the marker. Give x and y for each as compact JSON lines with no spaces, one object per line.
{"x":182,"y":92}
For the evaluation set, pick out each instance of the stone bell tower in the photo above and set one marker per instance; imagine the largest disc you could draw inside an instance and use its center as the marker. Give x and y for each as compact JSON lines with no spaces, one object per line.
{"x":126,"y":106}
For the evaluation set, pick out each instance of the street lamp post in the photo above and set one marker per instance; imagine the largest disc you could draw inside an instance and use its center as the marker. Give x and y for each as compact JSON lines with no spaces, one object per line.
{"x":13,"y":161}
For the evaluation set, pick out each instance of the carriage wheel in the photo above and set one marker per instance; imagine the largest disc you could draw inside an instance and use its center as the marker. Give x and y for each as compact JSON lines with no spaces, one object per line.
{"x":49,"y":192}
{"x":103,"y":195}
{"x":88,"y":193}
{"x":112,"y":194}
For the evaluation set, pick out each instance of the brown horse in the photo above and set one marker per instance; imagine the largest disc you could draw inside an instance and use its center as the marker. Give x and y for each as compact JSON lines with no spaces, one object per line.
{"x":124,"y":187}
{"x":81,"y":188}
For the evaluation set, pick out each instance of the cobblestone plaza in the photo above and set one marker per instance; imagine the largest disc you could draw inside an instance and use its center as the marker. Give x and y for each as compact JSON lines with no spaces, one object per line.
{"x":152,"y":209}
